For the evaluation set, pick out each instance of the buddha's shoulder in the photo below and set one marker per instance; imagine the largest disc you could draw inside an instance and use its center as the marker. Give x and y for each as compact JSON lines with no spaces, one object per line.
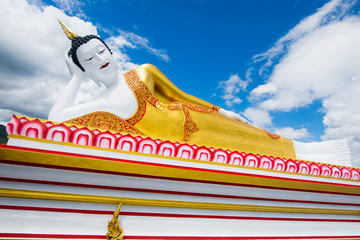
{"x":148,"y":71}
{"x":145,"y":73}
{"x":147,"y":67}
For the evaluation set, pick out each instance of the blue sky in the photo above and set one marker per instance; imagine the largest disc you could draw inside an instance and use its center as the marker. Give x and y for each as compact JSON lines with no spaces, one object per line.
{"x":289,"y":66}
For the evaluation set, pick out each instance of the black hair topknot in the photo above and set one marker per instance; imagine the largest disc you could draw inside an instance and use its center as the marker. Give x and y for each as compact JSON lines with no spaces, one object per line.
{"x":77,"y":42}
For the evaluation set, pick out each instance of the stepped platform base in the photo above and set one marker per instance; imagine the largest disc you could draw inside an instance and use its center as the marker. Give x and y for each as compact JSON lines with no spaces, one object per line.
{"x":54,"y":191}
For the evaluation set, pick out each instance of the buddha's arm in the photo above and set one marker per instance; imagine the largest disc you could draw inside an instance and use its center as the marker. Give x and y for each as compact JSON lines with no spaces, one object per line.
{"x":164,"y":89}
{"x":66,"y":99}
{"x":64,"y":106}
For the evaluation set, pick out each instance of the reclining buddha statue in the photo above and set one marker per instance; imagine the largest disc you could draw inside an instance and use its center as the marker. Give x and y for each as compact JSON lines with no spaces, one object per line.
{"x":144,"y":102}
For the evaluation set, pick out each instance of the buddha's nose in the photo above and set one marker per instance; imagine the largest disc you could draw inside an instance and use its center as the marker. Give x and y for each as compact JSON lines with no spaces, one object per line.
{"x":99,"y":58}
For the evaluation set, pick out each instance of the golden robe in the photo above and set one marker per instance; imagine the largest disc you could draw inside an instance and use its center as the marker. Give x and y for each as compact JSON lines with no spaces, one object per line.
{"x":167,"y":113}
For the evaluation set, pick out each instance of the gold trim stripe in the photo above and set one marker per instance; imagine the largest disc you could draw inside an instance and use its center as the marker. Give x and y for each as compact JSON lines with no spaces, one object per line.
{"x":170,"y":172}
{"x":70,"y":197}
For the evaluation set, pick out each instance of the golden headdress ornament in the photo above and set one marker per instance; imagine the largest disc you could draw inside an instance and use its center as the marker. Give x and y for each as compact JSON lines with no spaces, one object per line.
{"x":68,"y":31}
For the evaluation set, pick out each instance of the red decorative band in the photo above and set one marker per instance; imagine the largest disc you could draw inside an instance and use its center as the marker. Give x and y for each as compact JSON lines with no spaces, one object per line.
{"x":49,"y":236}
{"x":44,"y":129}
{"x":69,"y":236}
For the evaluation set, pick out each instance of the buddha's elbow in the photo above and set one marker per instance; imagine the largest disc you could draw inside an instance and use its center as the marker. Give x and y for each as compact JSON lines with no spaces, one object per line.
{"x":54,"y":116}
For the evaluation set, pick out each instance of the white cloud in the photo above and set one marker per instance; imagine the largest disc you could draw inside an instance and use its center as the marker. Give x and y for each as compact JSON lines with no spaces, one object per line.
{"x":315,"y":67}
{"x":70,"y":6}
{"x":231,"y":88}
{"x":331,"y":11}
{"x":142,"y":42}
{"x":289,"y":132}
{"x":258,"y":117}
{"x":32,"y":47}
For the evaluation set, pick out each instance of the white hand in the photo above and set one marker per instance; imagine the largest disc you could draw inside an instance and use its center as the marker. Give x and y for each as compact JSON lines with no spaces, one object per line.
{"x":73,"y":69}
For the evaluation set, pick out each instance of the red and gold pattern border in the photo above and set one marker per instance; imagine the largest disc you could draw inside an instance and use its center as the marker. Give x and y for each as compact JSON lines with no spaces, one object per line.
{"x":132,"y":80}
{"x":16,"y":128}
{"x":107,"y":121}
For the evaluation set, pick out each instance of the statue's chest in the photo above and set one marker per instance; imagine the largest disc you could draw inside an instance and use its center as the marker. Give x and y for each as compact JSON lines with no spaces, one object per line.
{"x":121,"y":102}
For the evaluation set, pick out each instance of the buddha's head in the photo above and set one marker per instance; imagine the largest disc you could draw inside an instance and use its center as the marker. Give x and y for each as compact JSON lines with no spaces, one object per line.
{"x":91,"y":54}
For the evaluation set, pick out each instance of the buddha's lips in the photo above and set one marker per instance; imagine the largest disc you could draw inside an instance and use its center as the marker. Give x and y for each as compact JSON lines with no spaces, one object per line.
{"x":105,"y":65}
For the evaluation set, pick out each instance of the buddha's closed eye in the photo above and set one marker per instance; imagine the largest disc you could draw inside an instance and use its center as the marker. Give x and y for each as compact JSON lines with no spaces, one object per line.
{"x":88,"y":59}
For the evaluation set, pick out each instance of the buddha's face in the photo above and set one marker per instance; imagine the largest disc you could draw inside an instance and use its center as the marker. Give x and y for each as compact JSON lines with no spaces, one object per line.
{"x":98,"y":62}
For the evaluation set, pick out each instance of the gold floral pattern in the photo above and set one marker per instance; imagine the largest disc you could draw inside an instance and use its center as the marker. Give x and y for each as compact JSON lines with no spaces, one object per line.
{"x":135,"y":81}
{"x":190,"y":126}
{"x":105,"y":121}
{"x":131,"y":79}
{"x":178,"y":105}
